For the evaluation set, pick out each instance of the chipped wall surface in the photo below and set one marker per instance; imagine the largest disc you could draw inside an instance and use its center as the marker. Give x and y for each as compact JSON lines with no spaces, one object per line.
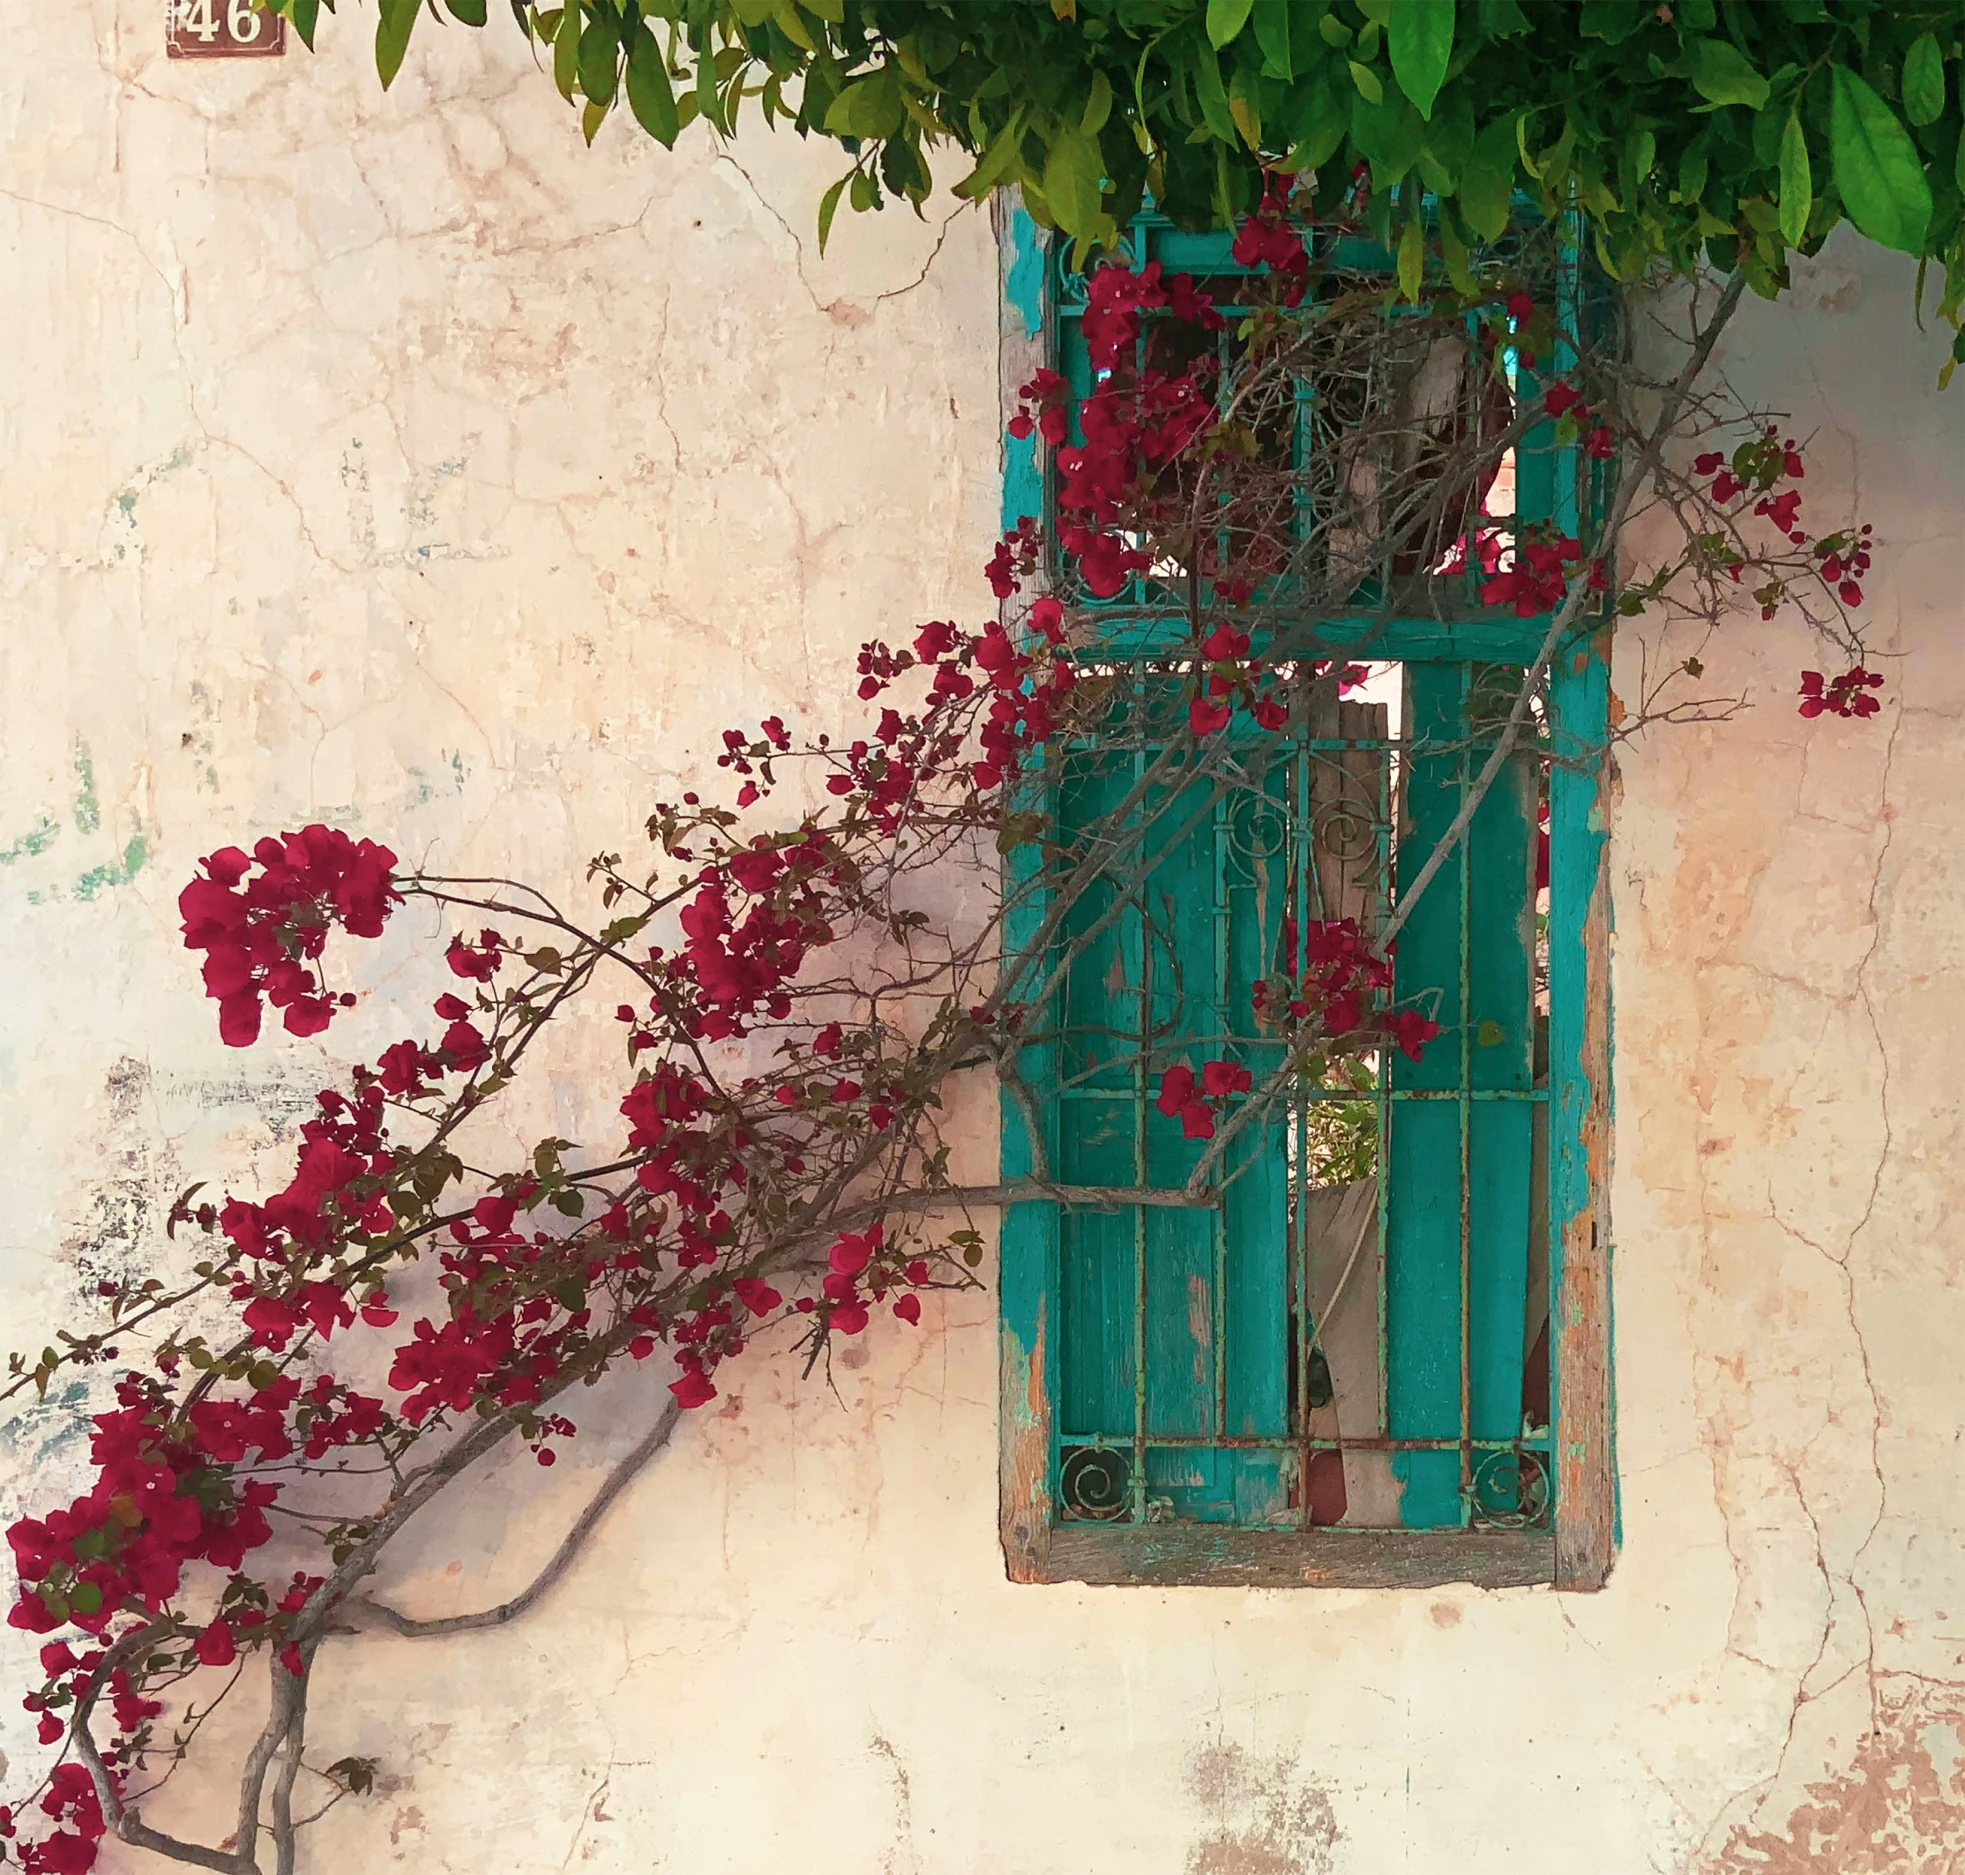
{"x":399,"y":462}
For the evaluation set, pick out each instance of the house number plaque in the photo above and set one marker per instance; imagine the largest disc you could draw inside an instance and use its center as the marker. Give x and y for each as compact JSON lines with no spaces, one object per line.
{"x":222,"y":29}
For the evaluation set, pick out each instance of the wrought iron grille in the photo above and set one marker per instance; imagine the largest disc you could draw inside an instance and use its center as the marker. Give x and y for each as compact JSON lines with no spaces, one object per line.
{"x":1358,"y":1336}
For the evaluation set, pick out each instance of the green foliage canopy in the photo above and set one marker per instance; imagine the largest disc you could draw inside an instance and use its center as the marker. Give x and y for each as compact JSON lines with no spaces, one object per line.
{"x":1732,"y":131}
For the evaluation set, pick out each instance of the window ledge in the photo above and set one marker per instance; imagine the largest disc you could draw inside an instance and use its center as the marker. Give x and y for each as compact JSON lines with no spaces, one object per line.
{"x":1205,"y":1556}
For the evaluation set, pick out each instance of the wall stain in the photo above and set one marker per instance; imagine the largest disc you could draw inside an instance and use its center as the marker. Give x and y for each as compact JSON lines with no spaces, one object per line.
{"x":121,"y":870}
{"x":1264,"y":1818}
{"x":33,"y":842}
{"x":88,"y":809}
{"x":115,"y":1237}
{"x":901,"y":1857}
{"x":1898,"y":1809}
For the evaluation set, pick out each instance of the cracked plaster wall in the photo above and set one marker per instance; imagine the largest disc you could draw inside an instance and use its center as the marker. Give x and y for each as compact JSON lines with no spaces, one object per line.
{"x":398,"y":462}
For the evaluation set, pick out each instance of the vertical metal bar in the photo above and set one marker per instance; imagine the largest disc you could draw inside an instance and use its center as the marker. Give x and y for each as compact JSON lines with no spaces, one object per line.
{"x":1303,"y":864}
{"x":1218,"y":1220}
{"x":1466,"y":1123}
{"x":1142,"y":914}
{"x":1386,"y":837}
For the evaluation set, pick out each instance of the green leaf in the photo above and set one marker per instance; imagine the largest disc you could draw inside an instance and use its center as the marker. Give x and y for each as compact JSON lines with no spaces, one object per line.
{"x":1877,"y":170}
{"x":1213,"y":94}
{"x":1316,"y":118}
{"x":470,"y":12}
{"x":305,"y":14}
{"x":1002,"y":153}
{"x":1412,"y":261}
{"x":1924,"y":80}
{"x":1693,"y":162}
{"x":395,"y":21}
{"x":829,"y":206}
{"x":1797,"y":183}
{"x":704,"y":92}
{"x":1388,"y":136}
{"x":1098,"y":107}
{"x":1367,"y":81}
{"x":1487,"y":186}
{"x":85,"y":1598}
{"x":650,"y":95}
{"x":1721,"y":75}
{"x":1226,"y":18}
{"x":1072,"y":172}
{"x":1612,"y":21}
{"x":1245,"y":107}
{"x":1420,"y":38}
{"x":566,"y":50}
{"x":869,"y":107}
{"x":600,"y":48}
{"x":1454,"y":252}
{"x":1272,"y":35}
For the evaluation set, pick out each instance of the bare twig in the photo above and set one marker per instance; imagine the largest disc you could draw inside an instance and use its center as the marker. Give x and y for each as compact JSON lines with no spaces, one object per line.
{"x":624,"y":1473}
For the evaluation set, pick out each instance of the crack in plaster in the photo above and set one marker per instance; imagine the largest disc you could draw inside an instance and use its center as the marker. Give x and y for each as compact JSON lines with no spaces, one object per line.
{"x":841,"y":311}
{"x":1828,"y":1808}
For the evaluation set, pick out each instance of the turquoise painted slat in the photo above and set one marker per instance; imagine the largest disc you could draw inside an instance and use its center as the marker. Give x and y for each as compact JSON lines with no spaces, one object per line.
{"x":1422,"y":1249}
{"x":1501,"y":1011}
{"x":1489,"y":883}
{"x":1098,"y":1130}
{"x":1256,"y":885}
{"x":1184,"y":999}
{"x":1096,"y":1282}
{"x":1215,"y":1285}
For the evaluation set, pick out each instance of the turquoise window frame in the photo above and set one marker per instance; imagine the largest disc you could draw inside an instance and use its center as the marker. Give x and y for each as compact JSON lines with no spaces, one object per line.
{"x":1576,"y":1549}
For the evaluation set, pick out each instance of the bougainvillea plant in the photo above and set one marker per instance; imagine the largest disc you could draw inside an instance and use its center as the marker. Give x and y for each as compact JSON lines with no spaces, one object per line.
{"x":329,"y":1358}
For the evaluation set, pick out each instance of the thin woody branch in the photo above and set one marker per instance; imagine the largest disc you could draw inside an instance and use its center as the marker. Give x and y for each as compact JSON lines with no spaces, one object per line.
{"x":624,"y":1473}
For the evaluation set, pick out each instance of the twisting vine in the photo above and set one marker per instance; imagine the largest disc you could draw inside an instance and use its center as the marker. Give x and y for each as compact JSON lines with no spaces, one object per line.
{"x":341,"y":1352}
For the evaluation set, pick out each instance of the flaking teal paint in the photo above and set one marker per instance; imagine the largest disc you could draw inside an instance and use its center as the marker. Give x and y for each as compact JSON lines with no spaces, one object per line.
{"x":1028,"y":1240}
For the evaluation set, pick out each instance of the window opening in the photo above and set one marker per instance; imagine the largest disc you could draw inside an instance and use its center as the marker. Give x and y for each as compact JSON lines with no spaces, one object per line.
{"x":1357,"y":1345}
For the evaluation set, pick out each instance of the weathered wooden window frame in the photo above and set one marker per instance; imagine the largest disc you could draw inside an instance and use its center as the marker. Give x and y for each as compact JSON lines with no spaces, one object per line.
{"x":1577,"y":1551}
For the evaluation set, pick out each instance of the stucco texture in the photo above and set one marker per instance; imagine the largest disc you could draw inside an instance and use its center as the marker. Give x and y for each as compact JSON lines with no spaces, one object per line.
{"x":400,"y":462}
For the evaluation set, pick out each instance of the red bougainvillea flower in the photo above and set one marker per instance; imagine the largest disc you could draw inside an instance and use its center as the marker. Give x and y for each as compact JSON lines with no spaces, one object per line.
{"x":692,"y":1388}
{"x":262,"y":921}
{"x":1847,"y":695}
{"x":1219,"y":1078}
{"x":215,"y":1646}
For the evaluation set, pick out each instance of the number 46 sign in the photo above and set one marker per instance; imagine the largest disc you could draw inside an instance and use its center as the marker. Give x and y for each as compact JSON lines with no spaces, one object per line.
{"x":222,"y":29}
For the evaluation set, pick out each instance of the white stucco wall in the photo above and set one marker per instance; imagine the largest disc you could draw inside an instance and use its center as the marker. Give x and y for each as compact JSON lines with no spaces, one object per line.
{"x":399,"y":462}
